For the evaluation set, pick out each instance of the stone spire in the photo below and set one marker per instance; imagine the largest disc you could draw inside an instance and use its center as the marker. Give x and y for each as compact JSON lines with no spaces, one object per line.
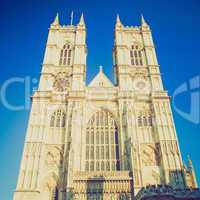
{"x":82,"y":21}
{"x":118,"y":22}
{"x":56,"y":20}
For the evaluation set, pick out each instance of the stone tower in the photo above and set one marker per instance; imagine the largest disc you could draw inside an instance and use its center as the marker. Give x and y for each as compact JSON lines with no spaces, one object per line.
{"x":156,"y":156}
{"x":101,"y":140}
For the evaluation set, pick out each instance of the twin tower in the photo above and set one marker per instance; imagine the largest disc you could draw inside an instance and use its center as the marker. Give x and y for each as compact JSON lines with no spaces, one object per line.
{"x":101,"y":140}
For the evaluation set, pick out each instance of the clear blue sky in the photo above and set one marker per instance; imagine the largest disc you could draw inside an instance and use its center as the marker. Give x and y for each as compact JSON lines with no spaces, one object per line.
{"x":24,"y":28}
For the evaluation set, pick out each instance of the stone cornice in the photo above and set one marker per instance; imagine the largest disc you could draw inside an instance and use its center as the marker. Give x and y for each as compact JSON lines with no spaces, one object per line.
{"x":104,"y":175}
{"x":69,"y":28}
{"x":104,"y":94}
{"x":153,"y":65}
{"x":28,"y":191}
{"x":160,"y":95}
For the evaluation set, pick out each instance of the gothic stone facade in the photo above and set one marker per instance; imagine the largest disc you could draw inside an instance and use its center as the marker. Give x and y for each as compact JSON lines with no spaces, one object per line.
{"x":101,"y":140}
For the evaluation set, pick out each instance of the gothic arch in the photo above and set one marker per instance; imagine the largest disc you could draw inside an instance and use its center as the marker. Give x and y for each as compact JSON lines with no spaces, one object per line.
{"x":54,"y":156}
{"x":136,"y":43}
{"x":145,"y":118}
{"x":105,"y":110}
{"x":102,"y":143}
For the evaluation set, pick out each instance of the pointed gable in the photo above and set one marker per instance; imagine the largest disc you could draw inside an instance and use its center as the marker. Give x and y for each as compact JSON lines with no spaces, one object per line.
{"x":101,"y":80}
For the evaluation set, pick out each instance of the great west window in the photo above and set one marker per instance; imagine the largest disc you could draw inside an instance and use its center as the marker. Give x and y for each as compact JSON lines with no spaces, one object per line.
{"x":102,"y":144}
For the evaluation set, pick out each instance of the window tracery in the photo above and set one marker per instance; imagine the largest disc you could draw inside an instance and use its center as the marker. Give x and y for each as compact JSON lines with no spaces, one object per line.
{"x":136,"y":55}
{"x":66,"y":55}
{"x":102,"y":145}
{"x":58,"y":119}
{"x":144,"y":120}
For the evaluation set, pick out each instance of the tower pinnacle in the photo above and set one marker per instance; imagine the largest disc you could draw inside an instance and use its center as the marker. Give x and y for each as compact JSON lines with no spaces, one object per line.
{"x":56,"y":20}
{"x":82,"y":21}
{"x":118,"y":22}
{"x":143,"y":22}
{"x":100,"y":68}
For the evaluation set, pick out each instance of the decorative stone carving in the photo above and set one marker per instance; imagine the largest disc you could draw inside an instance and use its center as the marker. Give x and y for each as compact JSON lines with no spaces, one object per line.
{"x":163,"y":192}
{"x":53,"y":156}
{"x":104,"y":184}
{"x":61,"y":82}
{"x":149,"y":155}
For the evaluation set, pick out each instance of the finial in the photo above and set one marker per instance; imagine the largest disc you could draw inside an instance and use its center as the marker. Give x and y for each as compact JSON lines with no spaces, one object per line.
{"x":189,"y":161}
{"x":100,"y":68}
{"x":56,"y":20}
{"x":82,"y":21}
{"x":143,"y":22}
{"x":118,"y":21}
{"x":72,"y":17}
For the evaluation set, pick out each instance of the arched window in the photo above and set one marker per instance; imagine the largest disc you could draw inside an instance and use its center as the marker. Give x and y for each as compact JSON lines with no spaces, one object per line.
{"x":144,"y":120}
{"x":58,"y":119}
{"x":66,"y":55}
{"x":102,"y":144}
{"x":136,"y":56}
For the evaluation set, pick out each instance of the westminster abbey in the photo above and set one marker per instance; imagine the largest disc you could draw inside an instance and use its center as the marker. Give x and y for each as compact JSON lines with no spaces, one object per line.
{"x":102,"y":140}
